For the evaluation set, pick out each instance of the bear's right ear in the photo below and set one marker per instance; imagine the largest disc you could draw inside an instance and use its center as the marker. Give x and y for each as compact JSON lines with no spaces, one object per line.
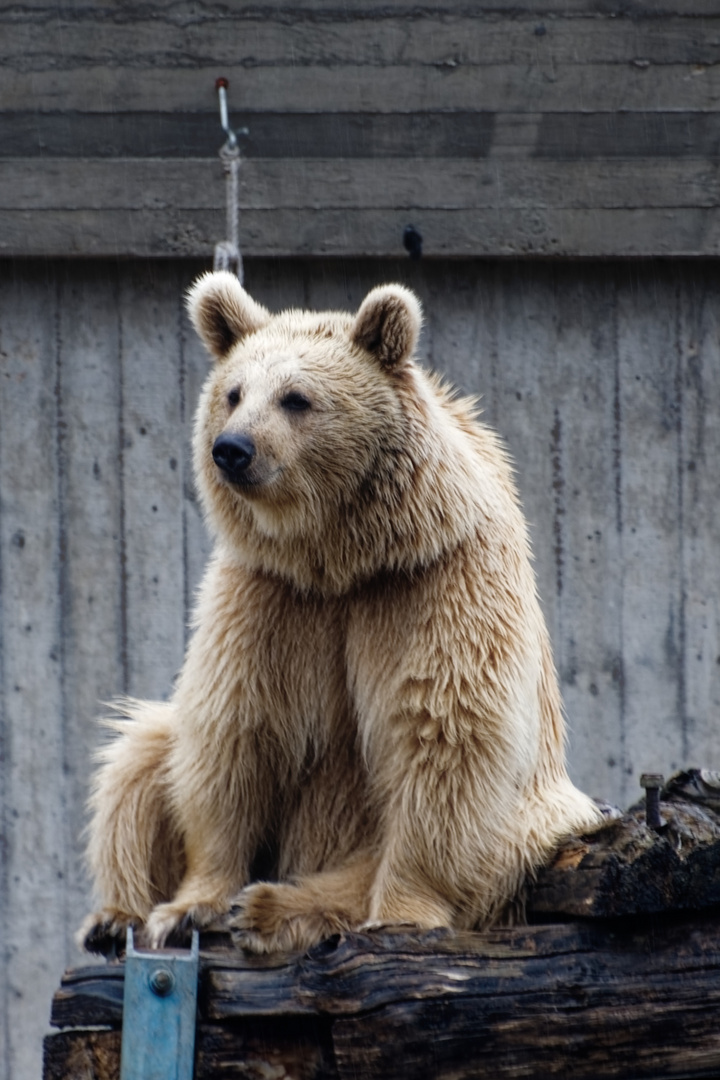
{"x":222,"y":312}
{"x":388,"y":324}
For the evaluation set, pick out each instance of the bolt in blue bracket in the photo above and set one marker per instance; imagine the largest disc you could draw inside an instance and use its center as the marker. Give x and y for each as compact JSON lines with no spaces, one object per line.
{"x":159,"y":1009}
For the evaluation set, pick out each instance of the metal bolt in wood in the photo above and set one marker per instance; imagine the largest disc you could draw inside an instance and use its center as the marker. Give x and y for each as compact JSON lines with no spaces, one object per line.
{"x":652,"y":782}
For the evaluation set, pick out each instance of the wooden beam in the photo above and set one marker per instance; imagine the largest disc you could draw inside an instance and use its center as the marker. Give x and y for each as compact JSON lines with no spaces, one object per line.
{"x":593,"y":1002}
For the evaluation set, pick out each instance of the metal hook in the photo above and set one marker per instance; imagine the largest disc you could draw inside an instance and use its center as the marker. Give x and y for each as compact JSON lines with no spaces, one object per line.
{"x":221,"y":85}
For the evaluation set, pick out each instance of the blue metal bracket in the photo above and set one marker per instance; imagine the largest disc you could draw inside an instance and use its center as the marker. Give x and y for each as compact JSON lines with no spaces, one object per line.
{"x":159,"y":1009}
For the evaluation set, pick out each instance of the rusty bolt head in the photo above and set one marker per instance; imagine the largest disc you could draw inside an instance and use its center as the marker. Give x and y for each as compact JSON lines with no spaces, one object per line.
{"x":162,"y":982}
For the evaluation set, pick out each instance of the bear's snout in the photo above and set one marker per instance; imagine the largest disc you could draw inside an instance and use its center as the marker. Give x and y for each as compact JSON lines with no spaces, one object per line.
{"x":233,"y":454}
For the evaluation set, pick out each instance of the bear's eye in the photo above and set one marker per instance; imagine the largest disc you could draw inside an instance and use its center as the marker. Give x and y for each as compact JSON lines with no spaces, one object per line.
{"x":233,"y":398}
{"x":295,"y":402}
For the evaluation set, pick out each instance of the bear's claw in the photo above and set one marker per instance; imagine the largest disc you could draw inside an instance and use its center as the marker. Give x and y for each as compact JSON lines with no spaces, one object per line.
{"x":176,"y":921}
{"x":105,"y":932}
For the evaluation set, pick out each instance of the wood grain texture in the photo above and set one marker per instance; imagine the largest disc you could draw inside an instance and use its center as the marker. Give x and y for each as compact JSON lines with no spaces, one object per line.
{"x":527,"y":389}
{"x":630,"y":869}
{"x":617,"y":1001}
{"x":90,"y":1055}
{"x":334,"y":38}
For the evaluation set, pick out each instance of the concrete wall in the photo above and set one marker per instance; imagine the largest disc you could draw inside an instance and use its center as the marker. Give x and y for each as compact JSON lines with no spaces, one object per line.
{"x":604,"y":380}
{"x":497,"y":127}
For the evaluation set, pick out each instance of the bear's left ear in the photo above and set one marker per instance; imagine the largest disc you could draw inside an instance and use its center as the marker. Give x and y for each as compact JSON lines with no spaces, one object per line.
{"x":222,"y":312}
{"x":388,"y":324}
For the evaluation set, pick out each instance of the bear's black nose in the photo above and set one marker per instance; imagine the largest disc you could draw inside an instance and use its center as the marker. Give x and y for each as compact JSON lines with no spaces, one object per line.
{"x":233,"y":454}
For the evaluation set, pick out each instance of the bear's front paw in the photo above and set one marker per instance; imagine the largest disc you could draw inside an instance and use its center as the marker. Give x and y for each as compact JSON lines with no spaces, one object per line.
{"x":176,"y":920}
{"x":280,"y":918}
{"x":258,"y":918}
{"x":104,"y":932}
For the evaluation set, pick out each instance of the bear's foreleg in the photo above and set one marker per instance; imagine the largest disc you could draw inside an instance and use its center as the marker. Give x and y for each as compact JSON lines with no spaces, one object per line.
{"x":135,"y":850}
{"x":458,"y":844}
{"x":221,"y":794}
{"x":453,"y":846}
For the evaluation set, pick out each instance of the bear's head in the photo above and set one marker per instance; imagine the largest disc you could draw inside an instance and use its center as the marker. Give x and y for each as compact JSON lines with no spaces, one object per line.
{"x":310,"y":431}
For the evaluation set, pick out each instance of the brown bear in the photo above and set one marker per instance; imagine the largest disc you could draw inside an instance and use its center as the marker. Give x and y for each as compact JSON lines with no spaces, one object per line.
{"x":369,"y":692}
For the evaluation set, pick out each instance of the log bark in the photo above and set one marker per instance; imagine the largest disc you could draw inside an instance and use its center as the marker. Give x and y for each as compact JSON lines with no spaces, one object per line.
{"x":632,"y":990}
{"x":628,"y":868}
{"x":591,"y":1000}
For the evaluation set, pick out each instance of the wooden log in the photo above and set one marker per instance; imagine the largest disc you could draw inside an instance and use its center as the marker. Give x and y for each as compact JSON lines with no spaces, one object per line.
{"x":89,"y":996}
{"x":606,"y":997}
{"x":627,"y":868}
{"x":82,"y":1055}
{"x":593,"y":1001}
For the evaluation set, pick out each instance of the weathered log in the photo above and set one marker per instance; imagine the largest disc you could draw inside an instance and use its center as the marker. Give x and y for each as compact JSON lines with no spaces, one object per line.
{"x":82,"y":1055}
{"x":594,"y":999}
{"x":627,"y":867}
{"x":631,"y":990}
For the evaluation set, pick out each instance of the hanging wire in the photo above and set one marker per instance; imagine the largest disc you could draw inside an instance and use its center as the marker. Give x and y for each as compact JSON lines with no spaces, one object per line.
{"x":227,"y":253}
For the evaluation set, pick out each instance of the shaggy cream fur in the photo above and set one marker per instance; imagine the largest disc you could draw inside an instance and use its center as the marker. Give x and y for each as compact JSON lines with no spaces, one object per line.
{"x":369,"y":691}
